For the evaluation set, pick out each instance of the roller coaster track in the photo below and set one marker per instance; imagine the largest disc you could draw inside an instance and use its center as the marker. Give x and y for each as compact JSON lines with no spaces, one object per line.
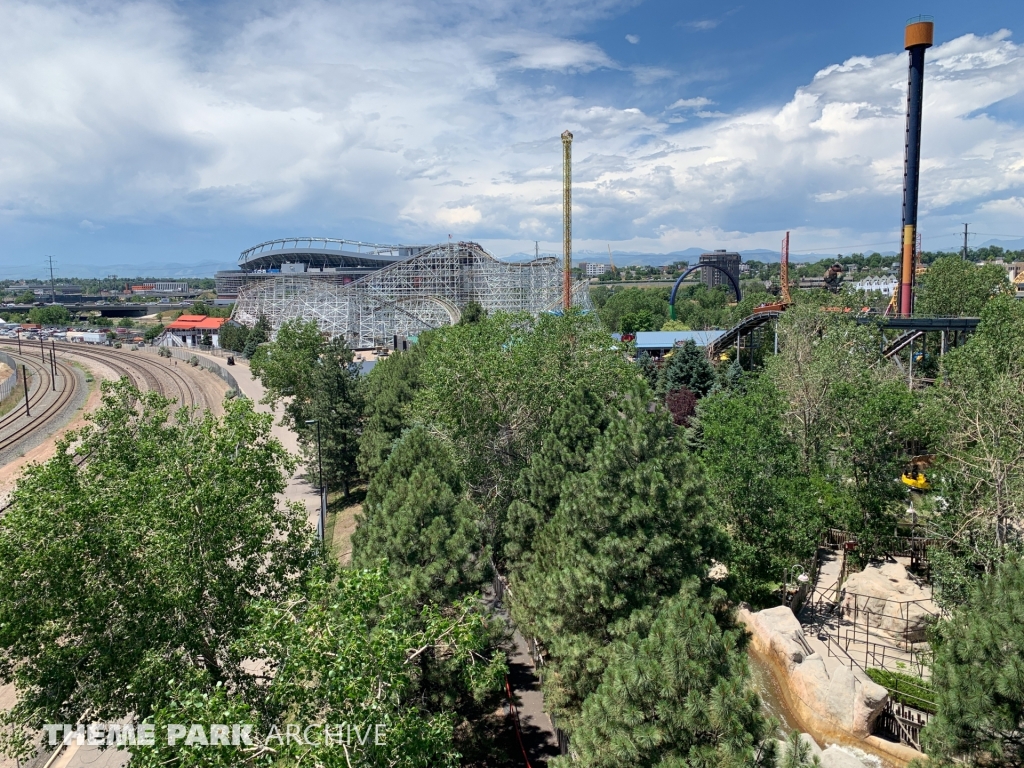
{"x":912,"y":327}
{"x":747,"y":325}
{"x":900,"y":343}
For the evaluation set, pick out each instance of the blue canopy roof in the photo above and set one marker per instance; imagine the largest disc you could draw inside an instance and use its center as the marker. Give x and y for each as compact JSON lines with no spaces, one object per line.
{"x":667,"y":339}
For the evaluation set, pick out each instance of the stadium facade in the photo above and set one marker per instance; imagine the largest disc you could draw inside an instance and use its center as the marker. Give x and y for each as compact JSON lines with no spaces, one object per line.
{"x":314,"y":257}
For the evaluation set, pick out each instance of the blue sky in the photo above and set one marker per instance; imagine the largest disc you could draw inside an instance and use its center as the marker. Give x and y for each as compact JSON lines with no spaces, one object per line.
{"x":166,"y":137}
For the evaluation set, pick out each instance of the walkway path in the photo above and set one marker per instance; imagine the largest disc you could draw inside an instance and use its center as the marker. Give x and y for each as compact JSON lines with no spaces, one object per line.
{"x":298,"y":489}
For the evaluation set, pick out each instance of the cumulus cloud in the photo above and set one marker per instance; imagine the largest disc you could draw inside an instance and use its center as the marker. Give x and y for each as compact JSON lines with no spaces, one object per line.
{"x":634,"y":39}
{"x":385,"y":114}
{"x":696,"y":103}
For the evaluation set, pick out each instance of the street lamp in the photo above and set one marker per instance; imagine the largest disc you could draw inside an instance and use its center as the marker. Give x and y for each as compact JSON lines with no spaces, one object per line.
{"x":321,"y":526}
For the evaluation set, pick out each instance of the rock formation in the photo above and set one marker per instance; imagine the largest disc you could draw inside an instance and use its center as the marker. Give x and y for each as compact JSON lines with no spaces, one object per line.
{"x":847,"y":701}
{"x":887,"y":598}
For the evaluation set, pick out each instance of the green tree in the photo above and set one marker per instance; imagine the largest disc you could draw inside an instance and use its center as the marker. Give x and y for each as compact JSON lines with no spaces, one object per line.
{"x":257,"y":335}
{"x":648,"y":368}
{"x":679,"y":696}
{"x":564,"y":448}
{"x":320,"y":382}
{"x":335,"y":404}
{"x":473,"y":313}
{"x":953,"y":287}
{"x":28,"y":297}
{"x":54,"y":314}
{"x":490,"y":388}
{"x":148,"y":554}
{"x":416,"y":517}
{"x":233,"y":336}
{"x":978,"y":676}
{"x":761,"y":494}
{"x":626,"y":534}
{"x":285,"y":367}
{"x":631,"y":301}
{"x":388,"y":393}
{"x":642,"y":320}
{"x":687,"y":366}
{"x":347,"y":650}
{"x":153,"y":331}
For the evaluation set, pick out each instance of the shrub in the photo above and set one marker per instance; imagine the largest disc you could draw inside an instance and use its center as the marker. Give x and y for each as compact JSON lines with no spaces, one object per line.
{"x":906,"y":689}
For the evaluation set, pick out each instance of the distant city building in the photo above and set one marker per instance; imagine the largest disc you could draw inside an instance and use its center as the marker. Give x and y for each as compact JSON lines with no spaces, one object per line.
{"x":179,"y":289}
{"x":593,"y":269}
{"x":725,"y":260}
{"x":744,"y":268}
{"x":884,"y":285}
{"x":1014,"y":270}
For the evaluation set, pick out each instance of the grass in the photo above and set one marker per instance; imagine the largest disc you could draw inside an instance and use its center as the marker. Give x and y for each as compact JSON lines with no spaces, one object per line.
{"x":906,"y":689}
{"x":16,"y":398}
{"x":340,"y":522}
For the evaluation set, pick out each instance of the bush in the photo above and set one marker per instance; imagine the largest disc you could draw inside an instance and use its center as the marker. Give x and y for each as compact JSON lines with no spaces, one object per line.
{"x":906,"y":689}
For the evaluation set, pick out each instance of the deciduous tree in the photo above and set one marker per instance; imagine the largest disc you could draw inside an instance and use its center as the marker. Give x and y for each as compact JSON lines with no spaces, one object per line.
{"x":132,"y":557}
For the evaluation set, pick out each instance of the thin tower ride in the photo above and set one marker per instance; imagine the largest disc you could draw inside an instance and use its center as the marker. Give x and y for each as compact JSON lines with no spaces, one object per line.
{"x":918,"y":38}
{"x":567,"y":220}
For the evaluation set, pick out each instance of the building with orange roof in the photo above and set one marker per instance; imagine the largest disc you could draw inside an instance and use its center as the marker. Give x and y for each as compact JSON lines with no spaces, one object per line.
{"x":190,"y":330}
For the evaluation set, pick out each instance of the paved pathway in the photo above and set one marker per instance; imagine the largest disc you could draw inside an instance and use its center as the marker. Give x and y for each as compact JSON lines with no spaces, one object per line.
{"x":298,"y":489}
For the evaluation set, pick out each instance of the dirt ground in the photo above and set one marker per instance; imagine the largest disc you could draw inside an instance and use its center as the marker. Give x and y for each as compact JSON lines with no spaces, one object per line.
{"x":344,"y":527}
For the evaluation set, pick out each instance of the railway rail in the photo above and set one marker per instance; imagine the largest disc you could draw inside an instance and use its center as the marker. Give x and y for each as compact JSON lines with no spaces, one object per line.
{"x":45,"y":400}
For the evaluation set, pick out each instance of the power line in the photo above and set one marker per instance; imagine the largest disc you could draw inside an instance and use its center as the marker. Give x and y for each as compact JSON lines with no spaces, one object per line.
{"x":53,"y":289}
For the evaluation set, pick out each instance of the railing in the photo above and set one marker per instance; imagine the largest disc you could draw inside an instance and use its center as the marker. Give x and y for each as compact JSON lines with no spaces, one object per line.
{"x":8,"y":384}
{"x":903,"y":722}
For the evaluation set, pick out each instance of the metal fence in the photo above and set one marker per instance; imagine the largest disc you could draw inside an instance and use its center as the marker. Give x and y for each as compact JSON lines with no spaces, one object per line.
{"x":8,"y":384}
{"x":188,"y":355}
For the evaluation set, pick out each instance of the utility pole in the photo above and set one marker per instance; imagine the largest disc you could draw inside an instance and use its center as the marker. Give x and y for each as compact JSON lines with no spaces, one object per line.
{"x":53,"y":290}
{"x":965,"y":242}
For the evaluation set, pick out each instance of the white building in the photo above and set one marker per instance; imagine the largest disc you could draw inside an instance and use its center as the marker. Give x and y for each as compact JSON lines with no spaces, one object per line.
{"x":884,"y":285}
{"x":593,"y":269}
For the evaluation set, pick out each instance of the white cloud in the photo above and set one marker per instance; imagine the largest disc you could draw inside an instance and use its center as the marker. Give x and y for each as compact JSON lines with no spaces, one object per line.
{"x":703,"y":25}
{"x":696,"y":103}
{"x":383,"y":114}
{"x":634,"y":39}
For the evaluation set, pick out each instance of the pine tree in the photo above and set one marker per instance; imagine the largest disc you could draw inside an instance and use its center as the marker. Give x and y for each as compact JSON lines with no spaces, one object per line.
{"x":979,"y":676}
{"x":679,"y":696}
{"x":687,"y":367}
{"x":258,"y":334}
{"x":649,"y":368}
{"x":564,"y":449}
{"x":625,"y":535}
{"x":388,"y":393}
{"x":335,"y":403}
{"x":417,"y":517}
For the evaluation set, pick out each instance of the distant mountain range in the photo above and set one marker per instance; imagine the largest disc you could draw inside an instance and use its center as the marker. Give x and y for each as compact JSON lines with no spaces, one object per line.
{"x":208,"y":267}
{"x":691,"y":255}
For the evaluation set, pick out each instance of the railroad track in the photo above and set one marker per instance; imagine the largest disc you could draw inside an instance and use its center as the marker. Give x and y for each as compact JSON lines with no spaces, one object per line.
{"x":43,"y":404}
{"x":143,"y":373}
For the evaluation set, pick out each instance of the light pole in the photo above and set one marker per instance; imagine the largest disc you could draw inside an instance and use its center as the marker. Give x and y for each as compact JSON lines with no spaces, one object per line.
{"x":321,"y":526}
{"x":801,"y":578}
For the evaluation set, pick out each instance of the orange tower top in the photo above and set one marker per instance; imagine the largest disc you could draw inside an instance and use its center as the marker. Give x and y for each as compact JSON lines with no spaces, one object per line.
{"x":920,"y":31}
